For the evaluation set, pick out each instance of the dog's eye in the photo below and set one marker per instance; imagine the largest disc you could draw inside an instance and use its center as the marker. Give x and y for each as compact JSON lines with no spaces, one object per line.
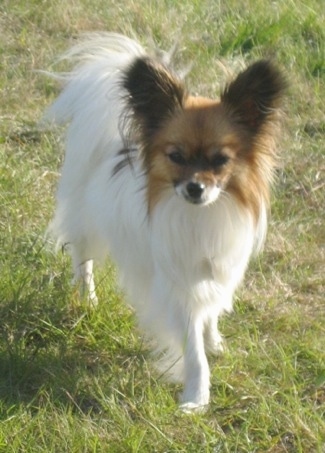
{"x":219,"y":160}
{"x":177,"y":157}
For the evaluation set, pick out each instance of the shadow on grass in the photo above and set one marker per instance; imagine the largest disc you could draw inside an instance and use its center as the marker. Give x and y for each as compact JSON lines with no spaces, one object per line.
{"x":53,"y":349}
{"x":47,"y":358}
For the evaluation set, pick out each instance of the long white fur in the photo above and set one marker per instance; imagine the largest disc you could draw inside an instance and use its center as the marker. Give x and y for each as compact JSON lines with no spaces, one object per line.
{"x":180,"y":266}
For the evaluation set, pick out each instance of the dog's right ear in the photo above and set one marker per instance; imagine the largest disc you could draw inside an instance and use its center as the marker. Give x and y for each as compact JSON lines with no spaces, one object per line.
{"x":154,"y":95}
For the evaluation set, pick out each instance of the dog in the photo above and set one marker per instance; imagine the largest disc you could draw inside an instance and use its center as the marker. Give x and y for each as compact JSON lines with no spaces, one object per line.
{"x":174,"y":187}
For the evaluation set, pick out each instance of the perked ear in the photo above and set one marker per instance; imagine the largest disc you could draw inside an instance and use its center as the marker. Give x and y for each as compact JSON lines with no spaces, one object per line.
{"x":154,"y":94}
{"x":254,"y":95}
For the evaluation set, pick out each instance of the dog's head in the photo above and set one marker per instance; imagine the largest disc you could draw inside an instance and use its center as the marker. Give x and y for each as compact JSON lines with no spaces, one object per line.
{"x":199,"y":148}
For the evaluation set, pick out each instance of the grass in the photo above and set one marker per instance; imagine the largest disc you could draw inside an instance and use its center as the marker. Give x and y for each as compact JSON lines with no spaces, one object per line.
{"x":74,"y":380}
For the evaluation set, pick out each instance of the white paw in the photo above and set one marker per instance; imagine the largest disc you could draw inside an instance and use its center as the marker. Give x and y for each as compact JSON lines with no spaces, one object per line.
{"x":194,"y":402}
{"x":85,"y":291}
{"x":215,"y":347}
{"x":193,"y":408}
{"x":213,"y":342}
{"x":92,"y":299}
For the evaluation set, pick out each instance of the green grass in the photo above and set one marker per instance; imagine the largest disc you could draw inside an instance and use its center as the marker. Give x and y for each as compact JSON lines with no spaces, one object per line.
{"x":74,"y":380}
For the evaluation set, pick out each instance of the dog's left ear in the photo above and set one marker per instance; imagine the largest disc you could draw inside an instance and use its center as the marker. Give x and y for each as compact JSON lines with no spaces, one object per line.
{"x":254,"y":96}
{"x":154,"y":95}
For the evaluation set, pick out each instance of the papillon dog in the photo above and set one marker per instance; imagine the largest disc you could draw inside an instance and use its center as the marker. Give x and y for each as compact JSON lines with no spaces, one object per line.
{"x":174,"y":187}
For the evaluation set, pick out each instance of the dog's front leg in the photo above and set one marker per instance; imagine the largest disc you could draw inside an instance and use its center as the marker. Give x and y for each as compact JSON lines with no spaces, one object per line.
{"x":196,"y":392}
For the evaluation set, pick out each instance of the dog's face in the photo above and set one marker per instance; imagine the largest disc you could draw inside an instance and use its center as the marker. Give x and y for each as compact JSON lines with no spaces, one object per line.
{"x":199,"y":148}
{"x":194,"y":153}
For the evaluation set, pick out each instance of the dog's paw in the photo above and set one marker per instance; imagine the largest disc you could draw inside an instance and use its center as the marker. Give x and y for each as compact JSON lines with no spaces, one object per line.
{"x":193,"y":408}
{"x":213,"y":342}
{"x":92,"y":300}
{"x":215,"y":347}
{"x":85,"y":294}
{"x":194,"y":403}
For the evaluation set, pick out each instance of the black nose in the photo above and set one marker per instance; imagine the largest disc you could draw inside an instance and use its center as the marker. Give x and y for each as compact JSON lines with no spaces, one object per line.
{"x":195,"y":190}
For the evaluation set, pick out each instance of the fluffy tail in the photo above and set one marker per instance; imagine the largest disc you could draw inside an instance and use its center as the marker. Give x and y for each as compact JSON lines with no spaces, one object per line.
{"x":92,"y":99}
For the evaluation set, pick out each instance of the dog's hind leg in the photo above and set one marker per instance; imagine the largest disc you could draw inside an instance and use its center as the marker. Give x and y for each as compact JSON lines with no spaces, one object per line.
{"x":83,"y":275}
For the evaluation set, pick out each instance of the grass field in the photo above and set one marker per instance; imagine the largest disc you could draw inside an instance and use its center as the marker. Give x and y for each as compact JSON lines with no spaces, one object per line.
{"x":74,"y":380}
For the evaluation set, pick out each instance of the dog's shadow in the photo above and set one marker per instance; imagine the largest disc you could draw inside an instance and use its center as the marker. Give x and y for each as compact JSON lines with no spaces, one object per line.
{"x":43,"y":360}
